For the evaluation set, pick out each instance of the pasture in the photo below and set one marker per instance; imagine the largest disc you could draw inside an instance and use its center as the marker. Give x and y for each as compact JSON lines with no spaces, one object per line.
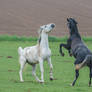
{"x":63,"y":70}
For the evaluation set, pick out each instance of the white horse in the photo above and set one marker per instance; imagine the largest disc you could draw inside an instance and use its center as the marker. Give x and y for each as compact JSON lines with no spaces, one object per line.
{"x":37,"y":54}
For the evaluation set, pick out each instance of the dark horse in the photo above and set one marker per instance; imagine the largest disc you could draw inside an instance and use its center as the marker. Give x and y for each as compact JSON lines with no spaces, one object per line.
{"x":76,"y":47}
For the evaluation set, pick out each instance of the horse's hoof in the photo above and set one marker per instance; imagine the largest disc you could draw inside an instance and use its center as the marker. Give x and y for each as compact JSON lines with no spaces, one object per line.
{"x":62,"y":54}
{"x":71,"y":85}
{"x":89,"y":85}
{"x":41,"y":81}
{"x":70,"y":55}
{"x":51,"y":79}
{"x":22,"y":81}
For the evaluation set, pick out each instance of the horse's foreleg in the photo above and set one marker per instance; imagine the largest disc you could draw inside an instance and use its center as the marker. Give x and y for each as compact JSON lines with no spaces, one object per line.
{"x":65,"y":46}
{"x":69,"y":51}
{"x":62,"y":45}
{"x":42,"y":70}
{"x":51,"y":68}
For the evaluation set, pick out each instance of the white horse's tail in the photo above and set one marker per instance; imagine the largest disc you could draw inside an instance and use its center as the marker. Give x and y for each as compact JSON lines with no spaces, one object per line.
{"x":20,"y":51}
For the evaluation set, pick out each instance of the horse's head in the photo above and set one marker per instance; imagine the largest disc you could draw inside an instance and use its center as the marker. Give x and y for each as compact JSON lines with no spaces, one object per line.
{"x":47,"y":28}
{"x":72,"y":25}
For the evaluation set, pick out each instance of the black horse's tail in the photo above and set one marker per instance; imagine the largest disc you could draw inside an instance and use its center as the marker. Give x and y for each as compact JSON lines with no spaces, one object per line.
{"x":89,"y":64}
{"x":87,"y":61}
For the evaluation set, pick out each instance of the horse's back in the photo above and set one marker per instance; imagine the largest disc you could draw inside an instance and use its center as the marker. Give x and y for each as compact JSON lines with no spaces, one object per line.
{"x":80,"y":52}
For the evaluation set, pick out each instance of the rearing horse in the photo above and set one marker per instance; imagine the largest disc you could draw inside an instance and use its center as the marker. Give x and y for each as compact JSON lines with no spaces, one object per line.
{"x":76,"y":47}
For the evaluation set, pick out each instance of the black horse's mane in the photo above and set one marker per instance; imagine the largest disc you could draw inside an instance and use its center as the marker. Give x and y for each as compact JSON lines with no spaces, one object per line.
{"x":74,"y":29}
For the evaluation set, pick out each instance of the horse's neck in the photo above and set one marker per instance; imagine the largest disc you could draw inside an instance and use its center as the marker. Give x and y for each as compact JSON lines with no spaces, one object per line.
{"x":76,"y":36}
{"x":44,"y":41}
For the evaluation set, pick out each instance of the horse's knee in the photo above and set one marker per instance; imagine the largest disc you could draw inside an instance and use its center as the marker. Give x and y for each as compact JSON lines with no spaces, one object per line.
{"x":33,"y":73}
{"x":90,"y":75}
{"x":51,"y":66}
{"x":42,"y":71}
{"x":77,"y":67}
{"x":60,"y":45}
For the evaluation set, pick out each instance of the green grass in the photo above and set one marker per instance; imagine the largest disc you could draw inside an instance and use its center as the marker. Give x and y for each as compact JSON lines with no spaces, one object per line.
{"x":63,"y":71}
{"x":24,"y":38}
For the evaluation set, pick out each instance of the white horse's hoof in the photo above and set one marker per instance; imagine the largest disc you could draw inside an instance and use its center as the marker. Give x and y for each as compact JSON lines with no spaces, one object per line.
{"x":41,"y":81}
{"x":89,"y":85}
{"x":71,"y":84}
{"x":51,"y":79}
{"x":21,"y":80}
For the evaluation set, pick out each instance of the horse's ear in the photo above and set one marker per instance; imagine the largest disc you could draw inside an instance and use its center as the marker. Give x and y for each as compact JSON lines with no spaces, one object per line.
{"x":76,"y":22}
{"x":40,"y":30}
{"x":67,"y":19}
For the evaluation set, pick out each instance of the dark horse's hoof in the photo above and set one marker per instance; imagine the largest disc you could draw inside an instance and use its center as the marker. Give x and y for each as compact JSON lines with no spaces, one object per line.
{"x":71,"y":85}
{"x":70,"y":55}
{"x":51,"y":79}
{"x":89,"y":85}
{"x":62,"y":54}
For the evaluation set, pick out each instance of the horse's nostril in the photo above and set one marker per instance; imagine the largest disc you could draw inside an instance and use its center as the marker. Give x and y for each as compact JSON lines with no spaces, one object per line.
{"x":52,"y":25}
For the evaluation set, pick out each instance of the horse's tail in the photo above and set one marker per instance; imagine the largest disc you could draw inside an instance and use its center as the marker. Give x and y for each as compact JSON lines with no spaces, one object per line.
{"x":87,"y":60}
{"x":89,"y":57}
{"x":20,"y":51}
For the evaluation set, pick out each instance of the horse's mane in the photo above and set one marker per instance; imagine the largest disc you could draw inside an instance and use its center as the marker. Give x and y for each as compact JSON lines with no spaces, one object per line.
{"x":75,"y":29}
{"x":39,"y":39}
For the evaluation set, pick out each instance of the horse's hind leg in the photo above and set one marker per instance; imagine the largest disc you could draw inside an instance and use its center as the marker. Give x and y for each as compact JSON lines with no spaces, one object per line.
{"x":22,"y":61}
{"x":79,"y":66}
{"x":33,"y":72}
{"x":42,"y":70}
{"x":90,"y":75}
{"x":76,"y":76}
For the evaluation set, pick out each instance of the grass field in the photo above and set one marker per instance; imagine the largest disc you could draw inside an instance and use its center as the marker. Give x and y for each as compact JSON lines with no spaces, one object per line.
{"x":63,"y":71}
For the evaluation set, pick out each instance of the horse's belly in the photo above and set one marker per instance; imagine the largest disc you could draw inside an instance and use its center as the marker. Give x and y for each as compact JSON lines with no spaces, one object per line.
{"x":32,"y":56}
{"x":32,"y":62}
